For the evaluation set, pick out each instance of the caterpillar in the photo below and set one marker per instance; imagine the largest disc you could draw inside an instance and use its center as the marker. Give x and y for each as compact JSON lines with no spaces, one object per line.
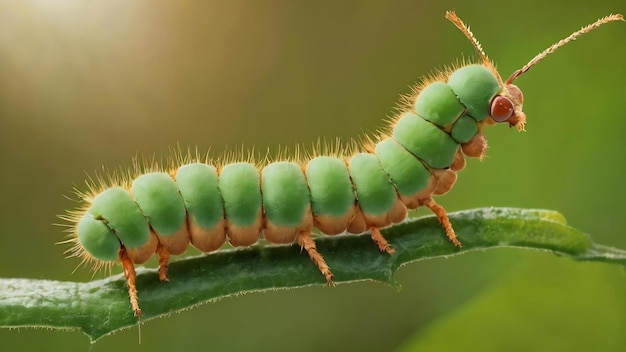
{"x":208,"y":203}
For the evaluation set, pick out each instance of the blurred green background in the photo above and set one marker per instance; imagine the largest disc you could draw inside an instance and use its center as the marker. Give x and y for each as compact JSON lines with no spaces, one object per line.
{"x":91,"y":84}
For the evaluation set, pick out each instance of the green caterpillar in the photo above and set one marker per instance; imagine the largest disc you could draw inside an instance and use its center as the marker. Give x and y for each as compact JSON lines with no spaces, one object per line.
{"x":206,"y":205}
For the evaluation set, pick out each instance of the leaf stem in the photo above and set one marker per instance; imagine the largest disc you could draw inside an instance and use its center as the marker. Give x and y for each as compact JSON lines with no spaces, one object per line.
{"x":101,"y":307}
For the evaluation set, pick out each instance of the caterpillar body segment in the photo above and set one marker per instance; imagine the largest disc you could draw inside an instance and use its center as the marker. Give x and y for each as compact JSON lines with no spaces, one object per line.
{"x":438,"y":103}
{"x":162,"y":205}
{"x":240,"y":187}
{"x":407,"y":173}
{"x":474,"y":85}
{"x":206,"y":203}
{"x":97,"y":239}
{"x":425,"y":140}
{"x":199,"y":187}
{"x":332,"y":194}
{"x":464,"y":129}
{"x":286,"y":201}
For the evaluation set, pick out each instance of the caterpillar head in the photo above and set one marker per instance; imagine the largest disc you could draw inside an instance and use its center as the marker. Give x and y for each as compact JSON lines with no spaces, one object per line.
{"x":507,"y":105}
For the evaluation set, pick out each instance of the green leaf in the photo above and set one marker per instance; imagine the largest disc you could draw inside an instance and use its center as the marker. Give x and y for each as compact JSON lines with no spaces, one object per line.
{"x":101,"y":307}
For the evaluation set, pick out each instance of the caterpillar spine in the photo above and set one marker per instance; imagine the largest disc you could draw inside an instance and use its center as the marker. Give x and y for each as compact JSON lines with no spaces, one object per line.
{"x":353,"y":190}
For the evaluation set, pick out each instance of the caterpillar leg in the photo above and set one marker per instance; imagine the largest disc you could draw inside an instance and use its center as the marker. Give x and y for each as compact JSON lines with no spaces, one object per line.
{"x":380,"y":241}
{"x":308,"y":244}
{"x":164,"y":258}
{"x":131,"y":276}
{"x":442,"y":216}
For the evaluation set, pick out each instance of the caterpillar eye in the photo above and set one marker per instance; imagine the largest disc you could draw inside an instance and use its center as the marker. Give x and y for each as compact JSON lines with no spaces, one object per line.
{"x":501,"y":108}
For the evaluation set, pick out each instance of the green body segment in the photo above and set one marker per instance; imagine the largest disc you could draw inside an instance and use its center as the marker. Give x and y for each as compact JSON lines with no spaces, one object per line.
{"x":285,"y":193}
{"x":330,"y":186}
{"x":158,"y":197}
{"x":464,"y":129}
{"x":407,"y":173}
{"x":425,"y":140}
{"x":119,"y":211}
{"x":475,"y":86}
{"x":374,"y":190}
{"x":240,"y":186}
{"x":97,"y":238}
{"x":438,"y":104}
{"x":198,"y":185}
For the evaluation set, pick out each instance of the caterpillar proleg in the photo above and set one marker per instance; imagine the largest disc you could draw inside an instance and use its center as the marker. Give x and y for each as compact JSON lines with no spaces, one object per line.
{"x":206,"y":203}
